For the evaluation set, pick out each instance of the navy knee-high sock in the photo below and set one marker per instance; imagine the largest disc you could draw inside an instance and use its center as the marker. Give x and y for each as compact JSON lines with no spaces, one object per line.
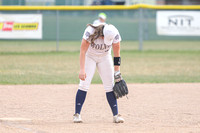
{"x":80,"y":98}
{"x":112,"y":102}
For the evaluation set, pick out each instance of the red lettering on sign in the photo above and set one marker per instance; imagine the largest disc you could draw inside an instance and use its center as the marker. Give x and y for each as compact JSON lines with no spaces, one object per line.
{"x":8,"y":26}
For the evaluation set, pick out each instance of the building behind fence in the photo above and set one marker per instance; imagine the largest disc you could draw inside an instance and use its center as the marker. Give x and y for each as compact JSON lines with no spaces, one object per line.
{"x":98,"y":2}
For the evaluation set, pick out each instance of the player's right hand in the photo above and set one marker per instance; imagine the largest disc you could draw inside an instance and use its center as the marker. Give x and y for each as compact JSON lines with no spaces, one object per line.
{"x":82,"y":75}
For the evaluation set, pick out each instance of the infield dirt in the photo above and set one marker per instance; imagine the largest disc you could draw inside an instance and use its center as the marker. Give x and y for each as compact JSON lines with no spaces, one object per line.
{"x":151,"y":108}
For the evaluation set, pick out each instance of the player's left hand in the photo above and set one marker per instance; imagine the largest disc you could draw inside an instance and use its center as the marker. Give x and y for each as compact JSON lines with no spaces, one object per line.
{"x":117,"y":76}
{"x":120,"y":88}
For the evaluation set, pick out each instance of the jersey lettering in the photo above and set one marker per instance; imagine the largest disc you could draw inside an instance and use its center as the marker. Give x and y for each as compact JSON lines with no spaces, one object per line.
{"x":100,"y":46}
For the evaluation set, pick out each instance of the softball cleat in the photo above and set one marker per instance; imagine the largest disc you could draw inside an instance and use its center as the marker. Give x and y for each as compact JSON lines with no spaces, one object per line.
{"x":118,"y":119}
{"x":77,"y":118}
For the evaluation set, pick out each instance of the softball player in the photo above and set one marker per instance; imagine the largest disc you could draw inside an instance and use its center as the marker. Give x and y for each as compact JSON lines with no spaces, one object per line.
{"x":101,"y":19}
{"x":95,"y":53}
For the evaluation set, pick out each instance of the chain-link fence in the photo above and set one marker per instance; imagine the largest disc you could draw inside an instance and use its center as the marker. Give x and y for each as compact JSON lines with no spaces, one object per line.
{"x":68,"y":25}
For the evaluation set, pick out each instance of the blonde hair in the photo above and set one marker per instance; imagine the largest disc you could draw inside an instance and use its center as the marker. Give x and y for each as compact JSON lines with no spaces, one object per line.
{"x":98,"y":31}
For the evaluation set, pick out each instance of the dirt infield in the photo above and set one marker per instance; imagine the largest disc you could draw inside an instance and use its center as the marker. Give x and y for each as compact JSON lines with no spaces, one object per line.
{"x":151,"y":108}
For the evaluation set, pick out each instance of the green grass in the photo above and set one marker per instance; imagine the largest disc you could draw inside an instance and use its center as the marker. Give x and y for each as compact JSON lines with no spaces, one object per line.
{"x":161,"y":67}
{"x":72,"y":46}
{"x":36,"y":62}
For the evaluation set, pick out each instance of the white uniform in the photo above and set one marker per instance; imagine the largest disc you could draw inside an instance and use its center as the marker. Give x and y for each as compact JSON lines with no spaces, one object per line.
{"x":99,"y":55}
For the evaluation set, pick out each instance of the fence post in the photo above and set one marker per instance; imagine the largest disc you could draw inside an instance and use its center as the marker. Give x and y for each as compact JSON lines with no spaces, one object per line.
{"x":146,"y":26}
{"x":57,"y":30}
{"x":140,"y":29}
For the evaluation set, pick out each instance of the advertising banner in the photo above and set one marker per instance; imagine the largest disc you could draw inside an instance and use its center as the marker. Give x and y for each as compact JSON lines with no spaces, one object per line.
{"x":20,"y":26}
{"x":178,"y":23}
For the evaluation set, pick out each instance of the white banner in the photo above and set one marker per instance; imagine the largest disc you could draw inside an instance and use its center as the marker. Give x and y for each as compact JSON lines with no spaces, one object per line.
{"x":20,"y":26}
{"x":178,"y":23}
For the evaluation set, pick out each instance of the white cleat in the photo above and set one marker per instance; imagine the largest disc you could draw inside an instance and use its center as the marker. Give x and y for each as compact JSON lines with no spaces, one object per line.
{"x":118,"y":119}
{"x":77,"y":118}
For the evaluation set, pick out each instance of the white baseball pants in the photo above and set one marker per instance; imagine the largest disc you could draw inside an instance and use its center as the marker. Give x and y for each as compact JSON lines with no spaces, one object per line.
{"x":105,"y":69}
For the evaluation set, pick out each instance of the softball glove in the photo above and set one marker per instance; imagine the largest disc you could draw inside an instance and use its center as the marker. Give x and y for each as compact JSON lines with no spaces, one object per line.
{"x":120,"y":88}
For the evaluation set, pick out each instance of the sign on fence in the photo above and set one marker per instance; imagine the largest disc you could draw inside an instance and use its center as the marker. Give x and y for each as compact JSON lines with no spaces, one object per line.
{"x":178,"y":23}
{"x":20,"y":26}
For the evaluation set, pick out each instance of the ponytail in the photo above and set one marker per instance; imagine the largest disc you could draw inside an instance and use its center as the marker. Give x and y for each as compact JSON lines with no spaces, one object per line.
{"x":98,"y":31}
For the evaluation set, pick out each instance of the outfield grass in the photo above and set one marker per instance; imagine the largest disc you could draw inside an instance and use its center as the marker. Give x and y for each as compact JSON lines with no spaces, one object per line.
{"x":25,"y":62}
{"x":73,"y":46}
